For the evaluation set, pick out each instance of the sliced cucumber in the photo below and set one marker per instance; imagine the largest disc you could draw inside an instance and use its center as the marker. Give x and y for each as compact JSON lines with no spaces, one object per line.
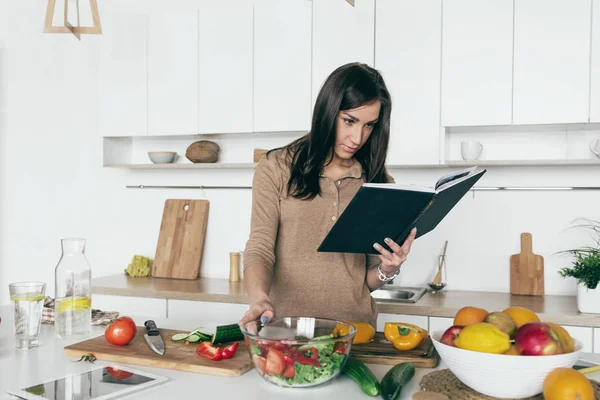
{"x":178,"y":337}
{"x":193,"y":338}
{"x":227,"y":333}
{"x":205,"y":337}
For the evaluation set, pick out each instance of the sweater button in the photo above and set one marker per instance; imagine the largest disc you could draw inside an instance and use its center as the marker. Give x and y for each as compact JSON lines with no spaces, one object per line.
{"x":333,"y":218}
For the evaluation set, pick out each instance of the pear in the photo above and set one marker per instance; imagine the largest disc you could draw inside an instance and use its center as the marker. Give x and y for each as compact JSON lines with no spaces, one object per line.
{"x":503,"y":322}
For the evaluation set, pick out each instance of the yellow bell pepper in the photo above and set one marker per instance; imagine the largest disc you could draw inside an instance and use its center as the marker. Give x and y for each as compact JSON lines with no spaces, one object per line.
{"x":364,"y":331}
{"x":404,"y":336}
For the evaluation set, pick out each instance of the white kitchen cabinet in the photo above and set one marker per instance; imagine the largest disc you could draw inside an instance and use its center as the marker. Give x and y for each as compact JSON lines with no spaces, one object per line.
{"x":551,"y":61}
{"x":419,"y":320}
{"x":596,"y":340}
{"x":595,"y":83}
{"x":225,"y":67}
{"x":477,"y":62}
{"x":582,"y":334}
{"x":173,"y":73}
{"x":437,"y":325}
{"x":407,"y":53}
{"x":131,"y":306}
{"x":122,"y":75}
{"x":207,"y":314}
{"x":341,"y":34}
{"x":282,"y":65}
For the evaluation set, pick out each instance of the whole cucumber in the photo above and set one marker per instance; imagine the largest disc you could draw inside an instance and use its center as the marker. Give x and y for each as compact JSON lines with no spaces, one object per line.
{"x":361,"y":374}
{"x":397,"y":377}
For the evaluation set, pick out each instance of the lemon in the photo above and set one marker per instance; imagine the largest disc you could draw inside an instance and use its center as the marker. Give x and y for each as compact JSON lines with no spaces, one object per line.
{"x":483,"y":337}
{"x":77,"y":303}
{"x":27,"y":297}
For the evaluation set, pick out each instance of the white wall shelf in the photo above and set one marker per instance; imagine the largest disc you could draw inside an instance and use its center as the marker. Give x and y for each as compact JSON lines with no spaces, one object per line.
{"x":449,"y":164}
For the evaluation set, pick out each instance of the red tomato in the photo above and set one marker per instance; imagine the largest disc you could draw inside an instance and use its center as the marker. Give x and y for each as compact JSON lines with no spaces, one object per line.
{"x":275,"y":362}
{"x":118,"y":374}
{"x":260,"y":363}
{"x":289,"y":371}
{"x":121,"y":331}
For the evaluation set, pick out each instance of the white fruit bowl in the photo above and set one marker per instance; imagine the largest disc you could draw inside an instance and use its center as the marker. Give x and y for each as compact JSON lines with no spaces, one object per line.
{"x":499,"y":375}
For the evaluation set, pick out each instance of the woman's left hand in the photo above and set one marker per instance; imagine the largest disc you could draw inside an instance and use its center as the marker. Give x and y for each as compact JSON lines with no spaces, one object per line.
{"x":390,"y":262}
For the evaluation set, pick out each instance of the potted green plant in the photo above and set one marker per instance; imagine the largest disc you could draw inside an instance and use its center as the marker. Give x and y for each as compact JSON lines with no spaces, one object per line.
{"x":586,"y":270}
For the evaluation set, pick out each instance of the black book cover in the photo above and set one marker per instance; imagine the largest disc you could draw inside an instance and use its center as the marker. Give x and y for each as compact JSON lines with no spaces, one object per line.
{"x":376,"y":212}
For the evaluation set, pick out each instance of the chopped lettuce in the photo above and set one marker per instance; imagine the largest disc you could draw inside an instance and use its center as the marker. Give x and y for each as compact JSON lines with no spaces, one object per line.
{"x":308,"y":374}
{"x":324,"y":349}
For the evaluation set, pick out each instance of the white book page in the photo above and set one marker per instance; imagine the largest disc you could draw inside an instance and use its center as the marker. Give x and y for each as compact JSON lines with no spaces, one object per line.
{"x":401,"y":186}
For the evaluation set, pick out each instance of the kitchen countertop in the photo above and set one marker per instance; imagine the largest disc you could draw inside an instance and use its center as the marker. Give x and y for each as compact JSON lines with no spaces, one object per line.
{"x":48,"y":361}
{"x":559,"y":309}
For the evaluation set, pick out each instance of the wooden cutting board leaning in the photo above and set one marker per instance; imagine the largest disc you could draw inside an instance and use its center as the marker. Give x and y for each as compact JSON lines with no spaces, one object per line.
{"x":178,"y":355}
{"x":381,"y":351}
{"x":181,"y":239}
{"x":527,"y":270}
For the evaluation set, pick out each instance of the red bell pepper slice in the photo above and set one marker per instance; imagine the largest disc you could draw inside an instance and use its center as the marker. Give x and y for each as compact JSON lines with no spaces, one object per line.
{"x":207,"y":350}
{"x":314,"y":352}
{"x":306,"y":361}
{"x":229,"y":351}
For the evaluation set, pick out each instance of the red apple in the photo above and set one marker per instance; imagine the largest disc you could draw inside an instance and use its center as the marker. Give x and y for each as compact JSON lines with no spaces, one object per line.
{"x":537,"y":339}
{"x":451,"y":334}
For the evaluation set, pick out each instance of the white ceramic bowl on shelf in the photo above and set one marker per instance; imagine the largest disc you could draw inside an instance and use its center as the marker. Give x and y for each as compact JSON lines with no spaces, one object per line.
{"x":499,"y":375}
{"x":162,"y":157}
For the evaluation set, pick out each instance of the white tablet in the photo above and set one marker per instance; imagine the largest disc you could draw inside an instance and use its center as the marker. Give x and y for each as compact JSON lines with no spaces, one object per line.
{"x":103,"y":382}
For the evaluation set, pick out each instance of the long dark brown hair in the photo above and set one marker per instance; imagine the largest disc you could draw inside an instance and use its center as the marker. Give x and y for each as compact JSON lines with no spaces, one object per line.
{"x":348,"y":87}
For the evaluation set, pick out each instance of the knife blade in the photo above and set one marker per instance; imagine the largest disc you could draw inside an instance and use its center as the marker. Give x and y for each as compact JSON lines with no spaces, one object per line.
{"x":153,"y":338}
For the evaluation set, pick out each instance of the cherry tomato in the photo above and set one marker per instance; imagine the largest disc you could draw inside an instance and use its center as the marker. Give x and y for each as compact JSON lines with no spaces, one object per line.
{"x":121,"y":331}
{"x":118,"y":374}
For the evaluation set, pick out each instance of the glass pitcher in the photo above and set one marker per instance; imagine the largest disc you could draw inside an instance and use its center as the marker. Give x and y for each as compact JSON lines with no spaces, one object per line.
{"x":73,"y":299}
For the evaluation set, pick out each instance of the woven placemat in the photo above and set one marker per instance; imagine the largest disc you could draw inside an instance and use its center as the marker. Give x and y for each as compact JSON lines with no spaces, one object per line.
{"x":444,"y":381}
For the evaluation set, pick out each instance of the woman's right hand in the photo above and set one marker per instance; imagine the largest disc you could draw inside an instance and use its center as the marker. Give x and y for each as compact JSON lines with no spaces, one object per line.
{"x":262,"y":309}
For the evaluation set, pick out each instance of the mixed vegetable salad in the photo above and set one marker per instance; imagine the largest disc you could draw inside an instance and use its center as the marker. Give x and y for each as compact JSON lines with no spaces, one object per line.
{"x":291,"y":364}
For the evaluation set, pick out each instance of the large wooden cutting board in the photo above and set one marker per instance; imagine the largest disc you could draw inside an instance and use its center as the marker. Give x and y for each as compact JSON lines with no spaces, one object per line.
{"x":380,"y":351}
{"x":178,"y":355}
{"x":181,"y":239}
{"x":527,"y":270}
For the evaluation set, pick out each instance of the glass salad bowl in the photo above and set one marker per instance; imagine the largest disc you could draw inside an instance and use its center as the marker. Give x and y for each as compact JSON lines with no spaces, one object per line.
{"x":299,"y":351}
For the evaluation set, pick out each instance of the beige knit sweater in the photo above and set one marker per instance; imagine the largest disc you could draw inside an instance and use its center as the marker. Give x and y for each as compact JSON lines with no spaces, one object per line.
{"x":284,"y":237}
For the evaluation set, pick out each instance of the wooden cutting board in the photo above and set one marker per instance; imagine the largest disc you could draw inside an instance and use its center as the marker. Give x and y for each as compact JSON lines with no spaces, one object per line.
{"x":181,"y":239}
{"x":380,"y":351}
{"x":178,"y":355}
{"x":527,"y":270}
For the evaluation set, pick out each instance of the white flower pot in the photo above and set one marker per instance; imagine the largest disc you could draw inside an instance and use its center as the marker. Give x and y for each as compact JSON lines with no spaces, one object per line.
{"x":588,"y":300}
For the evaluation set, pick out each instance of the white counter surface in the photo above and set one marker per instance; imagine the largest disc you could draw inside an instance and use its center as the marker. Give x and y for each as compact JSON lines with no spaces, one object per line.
{"x":48,"y":362}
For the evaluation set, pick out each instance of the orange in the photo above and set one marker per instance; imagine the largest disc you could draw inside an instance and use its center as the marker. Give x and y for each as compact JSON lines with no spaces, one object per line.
{"x":469,"y":315}
{"x":521,"y":315}
{"x":512,"y":351}
{"x":566,"y":340}
{"x":567,"y":384}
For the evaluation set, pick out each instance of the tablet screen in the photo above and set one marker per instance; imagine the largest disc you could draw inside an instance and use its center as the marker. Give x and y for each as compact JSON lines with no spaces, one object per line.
{"x":100,"y":383}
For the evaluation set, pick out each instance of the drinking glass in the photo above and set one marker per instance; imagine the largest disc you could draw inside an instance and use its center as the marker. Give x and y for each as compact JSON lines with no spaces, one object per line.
{"x":28,"y":303}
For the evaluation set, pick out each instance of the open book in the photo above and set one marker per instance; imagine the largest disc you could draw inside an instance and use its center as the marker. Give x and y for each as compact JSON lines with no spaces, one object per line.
{"x":380,"y":210}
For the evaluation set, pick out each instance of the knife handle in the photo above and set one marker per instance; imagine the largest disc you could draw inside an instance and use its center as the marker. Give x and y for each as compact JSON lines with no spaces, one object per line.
{"x":151,"y":328}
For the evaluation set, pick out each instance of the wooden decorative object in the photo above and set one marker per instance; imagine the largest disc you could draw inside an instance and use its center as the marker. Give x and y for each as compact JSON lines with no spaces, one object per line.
{"x":77,"y":31}
{"x":203,"y":151}
{"x":258,"y":153}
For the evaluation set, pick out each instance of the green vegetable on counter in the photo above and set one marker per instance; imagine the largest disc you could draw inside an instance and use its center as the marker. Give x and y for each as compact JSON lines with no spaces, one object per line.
{"x":361,"y":374}
{"x":396,"y":378}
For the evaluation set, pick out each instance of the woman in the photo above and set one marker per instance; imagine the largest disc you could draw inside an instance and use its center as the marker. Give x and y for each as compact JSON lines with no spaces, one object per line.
{"x":298,"y":193}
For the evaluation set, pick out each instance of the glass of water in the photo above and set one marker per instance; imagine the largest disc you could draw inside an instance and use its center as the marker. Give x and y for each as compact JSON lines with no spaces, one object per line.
{"x":28,"y":303}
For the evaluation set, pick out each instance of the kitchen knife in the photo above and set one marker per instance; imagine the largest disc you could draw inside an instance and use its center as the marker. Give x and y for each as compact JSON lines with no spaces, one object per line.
{"x":153,"y":338}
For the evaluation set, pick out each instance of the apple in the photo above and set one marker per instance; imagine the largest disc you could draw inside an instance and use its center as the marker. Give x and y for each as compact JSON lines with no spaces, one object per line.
{"x":537,"y":339}
{"x":503,"y":322}
{"x":450,"y":334}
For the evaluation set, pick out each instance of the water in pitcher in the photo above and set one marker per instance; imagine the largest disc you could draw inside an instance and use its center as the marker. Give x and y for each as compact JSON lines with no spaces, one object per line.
{"x":27,"y":313}
{"x":72,"y":316}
